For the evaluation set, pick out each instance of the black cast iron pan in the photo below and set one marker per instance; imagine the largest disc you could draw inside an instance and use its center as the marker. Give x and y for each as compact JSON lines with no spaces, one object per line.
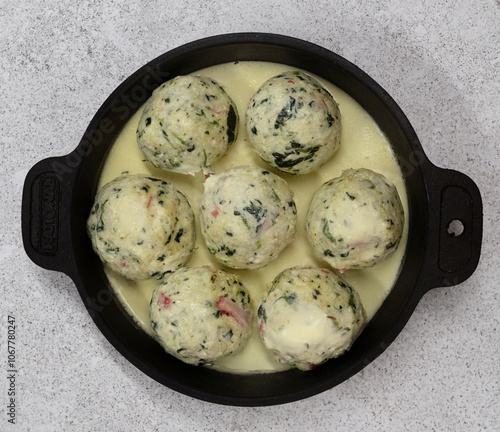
{"x":59,"y":192}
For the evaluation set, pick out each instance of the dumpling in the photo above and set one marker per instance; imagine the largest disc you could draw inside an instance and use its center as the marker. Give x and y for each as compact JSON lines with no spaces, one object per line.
{"x":187,"y":125}
{"x":141,"y":227}
{"x":294,"y":123}
{"x":355,"y":220}
{"x":247,"y":216}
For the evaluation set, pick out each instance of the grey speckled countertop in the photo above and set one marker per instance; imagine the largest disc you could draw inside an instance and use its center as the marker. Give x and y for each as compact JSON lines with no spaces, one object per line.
{"x":439,"y":60}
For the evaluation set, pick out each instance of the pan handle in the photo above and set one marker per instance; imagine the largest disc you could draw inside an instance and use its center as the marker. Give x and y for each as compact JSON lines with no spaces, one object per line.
{"x":45,"y":218}
{"x":455,"y":228}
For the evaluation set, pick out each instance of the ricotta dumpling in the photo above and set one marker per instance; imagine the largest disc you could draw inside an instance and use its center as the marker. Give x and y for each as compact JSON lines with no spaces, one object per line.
{"x":188,"y":124}
{"x":355,"y":220}
{"x":201,"y":314}
{"x":294,"y":123}
{"x":309,"y":315}
{"x":247,"y":216}
{"x":141,"y":227}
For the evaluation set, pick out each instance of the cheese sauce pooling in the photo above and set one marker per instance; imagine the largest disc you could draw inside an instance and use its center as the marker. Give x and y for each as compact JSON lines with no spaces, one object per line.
{"x":363,"y":145}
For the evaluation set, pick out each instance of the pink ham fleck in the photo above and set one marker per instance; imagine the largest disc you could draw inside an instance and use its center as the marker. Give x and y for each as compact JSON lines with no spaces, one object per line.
{"x":215,"y":212}
{"x":230,"y":308}
{"x":220,"y":110}
{"x":266,"y":224}
{"x":357,"y":244}
{"x":164,"y":301}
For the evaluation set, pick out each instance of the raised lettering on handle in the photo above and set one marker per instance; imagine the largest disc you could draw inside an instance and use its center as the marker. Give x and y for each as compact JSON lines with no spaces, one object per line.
{"x":44,"y":226}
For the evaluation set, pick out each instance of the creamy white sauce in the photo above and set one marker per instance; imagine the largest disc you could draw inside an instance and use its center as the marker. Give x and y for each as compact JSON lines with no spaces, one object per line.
{"x":304,"y":324}
{"x":363,"y":145}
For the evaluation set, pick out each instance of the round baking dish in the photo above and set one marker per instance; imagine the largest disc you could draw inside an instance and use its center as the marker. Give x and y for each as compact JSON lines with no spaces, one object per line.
{"x":444,"y":240}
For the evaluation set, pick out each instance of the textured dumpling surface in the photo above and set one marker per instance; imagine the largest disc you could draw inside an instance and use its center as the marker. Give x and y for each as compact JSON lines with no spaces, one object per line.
{"x":308,"y":316}
{"x":201,"y":314}
{"x":355,"y":220}
{"x":247,"y":216}
{"x":294,"y":123}
{"x":188,"y":124}
{"x":141,"y":226}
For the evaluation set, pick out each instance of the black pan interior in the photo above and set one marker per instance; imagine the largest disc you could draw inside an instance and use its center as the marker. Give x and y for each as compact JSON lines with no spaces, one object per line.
{"x":147,"y":355}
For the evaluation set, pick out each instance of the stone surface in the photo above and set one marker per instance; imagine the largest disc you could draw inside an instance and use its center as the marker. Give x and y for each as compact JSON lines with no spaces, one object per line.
{"x":59,"y":60}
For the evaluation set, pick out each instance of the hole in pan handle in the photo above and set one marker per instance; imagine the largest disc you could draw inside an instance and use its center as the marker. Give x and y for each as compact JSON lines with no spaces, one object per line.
{"x":46,"y":214}
{"x":455,"y":228}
